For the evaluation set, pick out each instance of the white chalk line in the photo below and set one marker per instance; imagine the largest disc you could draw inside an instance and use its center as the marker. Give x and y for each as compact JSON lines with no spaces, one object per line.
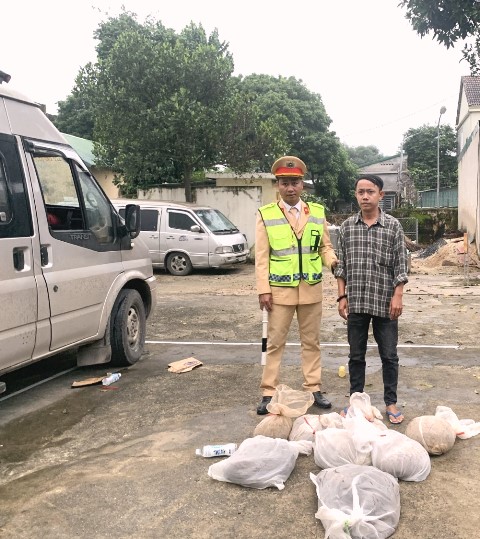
{"x":322,"y":345}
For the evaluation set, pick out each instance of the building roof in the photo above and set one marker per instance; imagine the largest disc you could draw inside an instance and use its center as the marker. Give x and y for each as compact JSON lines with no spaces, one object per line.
{"x":471,"y":87}
{"x":83,"y":147}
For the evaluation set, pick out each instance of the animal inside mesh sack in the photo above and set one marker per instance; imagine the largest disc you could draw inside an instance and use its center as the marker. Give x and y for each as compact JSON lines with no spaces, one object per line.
{"x":357,"y":502}
{"x":305,"y":427}
{"x":260,"y":462}
{"x":335,"y":447}
{"x":275,"y":426}
{"x":400,"y":456}
{"x":360,"y":402}
{"x":290,"y":402}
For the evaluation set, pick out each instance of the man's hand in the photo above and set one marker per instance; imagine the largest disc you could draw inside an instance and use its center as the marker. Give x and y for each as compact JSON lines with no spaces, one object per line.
{"x":265,"y":300}
{"x":396,"y":307}
{"x":343,"y":308}
{"x":396,"y":304}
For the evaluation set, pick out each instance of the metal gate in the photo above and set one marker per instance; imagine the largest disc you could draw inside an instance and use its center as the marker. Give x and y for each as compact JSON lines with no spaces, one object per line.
{"x":410,"y":228}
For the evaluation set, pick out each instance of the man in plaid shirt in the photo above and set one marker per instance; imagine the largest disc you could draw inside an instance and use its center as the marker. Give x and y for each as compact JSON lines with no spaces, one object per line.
{"x":371,"y":273}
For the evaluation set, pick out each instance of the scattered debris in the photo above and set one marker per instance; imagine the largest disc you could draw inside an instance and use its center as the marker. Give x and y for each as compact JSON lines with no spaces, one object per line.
{"x":184,"y":365}
{"x":89,"y":381}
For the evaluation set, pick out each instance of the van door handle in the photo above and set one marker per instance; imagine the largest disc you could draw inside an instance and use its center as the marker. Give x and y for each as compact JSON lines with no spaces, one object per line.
{"x":154,"y":236}
{"x":43,"y":255}
{"x":170,"y":238}
{"x":18,"y":259}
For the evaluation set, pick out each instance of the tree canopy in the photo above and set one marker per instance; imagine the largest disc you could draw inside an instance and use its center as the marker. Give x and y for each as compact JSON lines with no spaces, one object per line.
{"x":421,"y":148}
{"x":364,"y":155}
{"x":450,"y":21}
{"x":162,"y":106}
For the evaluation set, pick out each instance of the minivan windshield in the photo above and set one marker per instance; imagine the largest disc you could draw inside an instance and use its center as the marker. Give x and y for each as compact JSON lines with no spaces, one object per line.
{"x":216,"y":221}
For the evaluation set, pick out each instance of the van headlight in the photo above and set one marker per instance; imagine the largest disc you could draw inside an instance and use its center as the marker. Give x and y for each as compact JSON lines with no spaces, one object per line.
{"x":223,"y":250}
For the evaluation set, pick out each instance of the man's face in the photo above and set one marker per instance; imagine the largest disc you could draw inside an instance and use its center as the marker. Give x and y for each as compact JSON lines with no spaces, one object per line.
{"x":368,"y":195}
{"x":290,"y":189}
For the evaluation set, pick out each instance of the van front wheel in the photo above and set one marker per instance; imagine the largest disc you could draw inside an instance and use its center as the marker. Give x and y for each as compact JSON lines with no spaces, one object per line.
{"x":128,"y":328}
{"x":179,"y":264}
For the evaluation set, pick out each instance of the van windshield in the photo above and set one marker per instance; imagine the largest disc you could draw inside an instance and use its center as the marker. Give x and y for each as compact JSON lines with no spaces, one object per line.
{"x":215,"y":221}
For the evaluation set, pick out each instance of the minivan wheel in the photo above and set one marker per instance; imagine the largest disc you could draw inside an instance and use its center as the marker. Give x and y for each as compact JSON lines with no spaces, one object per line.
{"x":179,"y":264}
{"x":128,"y":328}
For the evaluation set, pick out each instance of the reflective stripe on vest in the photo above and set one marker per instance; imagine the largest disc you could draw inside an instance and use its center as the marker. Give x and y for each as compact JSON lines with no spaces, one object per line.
{"x":292,"y":259}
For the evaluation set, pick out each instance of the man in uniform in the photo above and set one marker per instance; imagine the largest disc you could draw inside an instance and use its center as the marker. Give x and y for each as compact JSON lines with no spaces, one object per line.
{"x":291,"y":246}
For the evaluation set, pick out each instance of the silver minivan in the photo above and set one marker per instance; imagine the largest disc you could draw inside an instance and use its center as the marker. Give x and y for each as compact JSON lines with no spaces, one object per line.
{"x":182,"y":236}
{"x":71,"y":273}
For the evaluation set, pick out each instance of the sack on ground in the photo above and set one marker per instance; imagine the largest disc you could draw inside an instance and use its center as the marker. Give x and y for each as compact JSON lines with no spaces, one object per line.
{"x":464,"y":428}
{"x":363,"y":431}
{"x":260,"y":462}
{"x":331,"y":420}
{"x":290,"y":402}
{"x":305,"y":427}
{"x":335,"y":447}
{"x":400,"y":456}
{"x":434,"y":433}
{"x":275,"y":426}
{"x":360,"y":402}
{"x":357,"y":502}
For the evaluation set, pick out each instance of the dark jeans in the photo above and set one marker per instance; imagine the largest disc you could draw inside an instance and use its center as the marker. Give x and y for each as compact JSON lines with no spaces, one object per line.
{"x":385,"y":332}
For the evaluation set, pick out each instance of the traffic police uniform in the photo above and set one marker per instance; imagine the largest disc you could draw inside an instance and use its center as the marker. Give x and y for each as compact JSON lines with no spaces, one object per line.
{"x":296,"y":289}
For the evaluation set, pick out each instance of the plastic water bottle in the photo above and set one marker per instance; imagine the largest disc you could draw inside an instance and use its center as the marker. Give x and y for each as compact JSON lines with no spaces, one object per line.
{"x":219,"y":450}
{"x":111,"y":378}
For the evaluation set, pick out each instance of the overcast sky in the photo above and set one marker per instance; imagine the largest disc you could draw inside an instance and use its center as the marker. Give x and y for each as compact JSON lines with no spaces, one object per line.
{"x":376,"y":77}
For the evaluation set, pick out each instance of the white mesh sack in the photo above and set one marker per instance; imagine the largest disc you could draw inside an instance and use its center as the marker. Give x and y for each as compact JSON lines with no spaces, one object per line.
{"x":357,"y":502}
{"x":335,"y":447}
{"x":464,"y":428}
{"x":290,"y":402}
{"x":305,"y":427}
{"x":400,"y":456}
{"x":275,"y":426}
{"x":260,"y":462}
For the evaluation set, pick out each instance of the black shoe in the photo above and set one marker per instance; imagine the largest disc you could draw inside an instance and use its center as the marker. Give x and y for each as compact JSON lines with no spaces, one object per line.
{"x":262,"y":407}
{"x":320,"y":400}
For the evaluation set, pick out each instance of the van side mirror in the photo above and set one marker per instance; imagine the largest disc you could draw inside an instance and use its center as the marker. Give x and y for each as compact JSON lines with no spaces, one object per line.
{"x":195,"y":228}
{"x":132,"y":219}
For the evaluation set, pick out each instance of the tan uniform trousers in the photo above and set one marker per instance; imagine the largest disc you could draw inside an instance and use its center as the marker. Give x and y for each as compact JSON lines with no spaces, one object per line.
{"x":279,"y":320}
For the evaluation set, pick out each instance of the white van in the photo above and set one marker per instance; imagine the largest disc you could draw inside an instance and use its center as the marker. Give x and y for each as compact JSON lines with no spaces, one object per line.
{"x":71,"y":275}
{"x":182,"y":236}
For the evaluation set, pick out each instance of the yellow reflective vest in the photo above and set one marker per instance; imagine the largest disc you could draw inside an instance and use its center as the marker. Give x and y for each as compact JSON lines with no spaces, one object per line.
{"x":292,"y":259}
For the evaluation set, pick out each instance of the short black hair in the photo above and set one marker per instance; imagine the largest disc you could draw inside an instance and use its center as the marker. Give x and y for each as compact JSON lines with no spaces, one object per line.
{"x":371,"y":178}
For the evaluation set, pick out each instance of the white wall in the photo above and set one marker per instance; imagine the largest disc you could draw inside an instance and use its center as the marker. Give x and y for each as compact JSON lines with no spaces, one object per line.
{"x":468,"y":137}
{"x":239,"y":204}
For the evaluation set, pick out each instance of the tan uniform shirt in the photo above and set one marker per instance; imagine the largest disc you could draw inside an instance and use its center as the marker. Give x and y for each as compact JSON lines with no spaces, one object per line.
{"x":289,"y":295}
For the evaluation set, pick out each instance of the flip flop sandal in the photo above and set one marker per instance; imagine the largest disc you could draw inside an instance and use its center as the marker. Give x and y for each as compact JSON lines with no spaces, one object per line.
{"x":396,"y":416}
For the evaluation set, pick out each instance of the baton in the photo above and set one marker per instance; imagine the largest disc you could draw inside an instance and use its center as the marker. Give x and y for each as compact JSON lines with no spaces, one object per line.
{"x":264,"y":336}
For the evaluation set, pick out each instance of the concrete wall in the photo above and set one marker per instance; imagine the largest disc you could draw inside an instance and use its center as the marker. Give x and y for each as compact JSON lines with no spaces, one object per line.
{"x":105,"y":178}
{"x":239,"y":203}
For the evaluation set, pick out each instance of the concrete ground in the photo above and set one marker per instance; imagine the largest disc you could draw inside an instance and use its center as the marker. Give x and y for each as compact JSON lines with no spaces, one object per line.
{"x":121,"y":462}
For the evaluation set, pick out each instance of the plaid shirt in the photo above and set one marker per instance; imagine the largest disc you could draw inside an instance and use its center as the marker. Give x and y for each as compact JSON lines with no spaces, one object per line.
{"x":372,"y":261}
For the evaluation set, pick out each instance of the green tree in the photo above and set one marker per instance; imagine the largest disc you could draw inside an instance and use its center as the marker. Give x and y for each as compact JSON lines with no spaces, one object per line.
{"x":76,"y":114}
{"x":160,"y":105}
{"x":364,"y":155}
{"x":299,"y":125}
{"x":450,"y":21}
{"x":421,"y":148}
